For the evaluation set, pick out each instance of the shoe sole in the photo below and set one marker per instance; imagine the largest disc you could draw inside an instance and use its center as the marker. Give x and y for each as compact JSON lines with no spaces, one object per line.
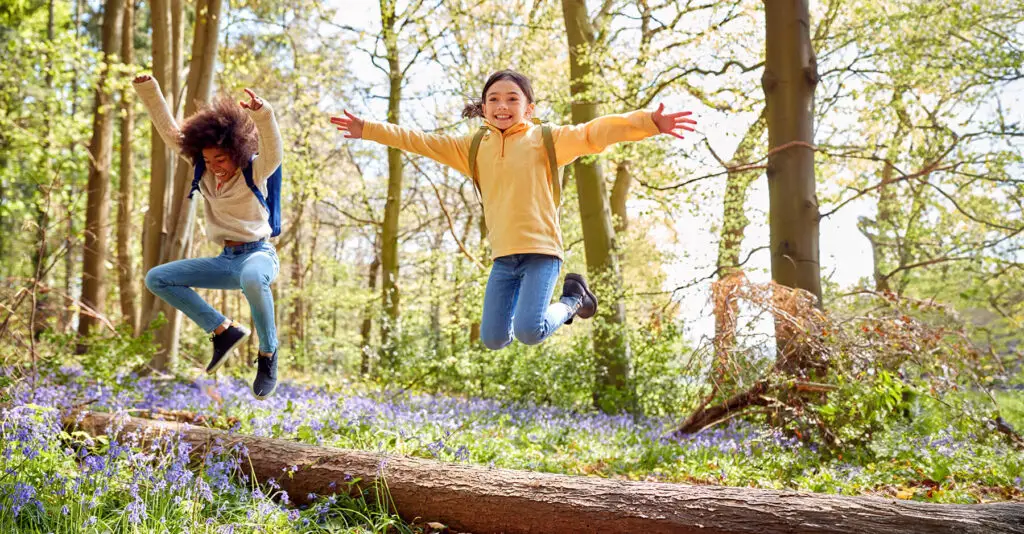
{"x":264,"y":397}
{"x":592,"y":296}
{"x":227,"y":353}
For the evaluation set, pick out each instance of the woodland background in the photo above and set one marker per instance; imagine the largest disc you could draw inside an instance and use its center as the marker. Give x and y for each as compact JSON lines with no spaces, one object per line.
{"x":833,"y":259}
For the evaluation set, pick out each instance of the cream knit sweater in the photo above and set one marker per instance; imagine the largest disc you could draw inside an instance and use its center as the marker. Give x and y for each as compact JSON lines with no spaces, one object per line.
{"x":232,"y":213}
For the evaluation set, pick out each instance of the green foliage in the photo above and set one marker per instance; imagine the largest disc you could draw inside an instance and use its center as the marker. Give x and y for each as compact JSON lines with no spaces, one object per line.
{"x":859,"y":409}
{"x":107,"y":484}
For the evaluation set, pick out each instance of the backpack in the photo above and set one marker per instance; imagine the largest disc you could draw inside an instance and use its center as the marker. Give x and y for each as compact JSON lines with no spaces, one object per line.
{"x":272,"y":203}
{"x":549,"y":146}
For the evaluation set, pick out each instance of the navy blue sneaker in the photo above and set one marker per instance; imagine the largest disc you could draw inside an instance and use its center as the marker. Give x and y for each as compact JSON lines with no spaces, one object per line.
{"x":575,"y":286}
{"x":224,"y":343}
{"x":266,"y":376}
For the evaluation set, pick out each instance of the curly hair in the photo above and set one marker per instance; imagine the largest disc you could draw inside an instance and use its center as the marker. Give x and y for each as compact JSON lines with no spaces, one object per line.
{"x":223,"y":124}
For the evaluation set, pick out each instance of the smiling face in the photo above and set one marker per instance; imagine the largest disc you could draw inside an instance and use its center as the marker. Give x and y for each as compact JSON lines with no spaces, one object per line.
{"x":505,"y":105}
{"x":219,"y":162}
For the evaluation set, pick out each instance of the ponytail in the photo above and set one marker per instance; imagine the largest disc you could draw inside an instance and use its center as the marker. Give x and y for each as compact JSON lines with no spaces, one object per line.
{"x":473,"y":109}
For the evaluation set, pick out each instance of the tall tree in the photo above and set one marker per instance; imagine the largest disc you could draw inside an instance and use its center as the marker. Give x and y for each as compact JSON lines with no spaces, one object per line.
{"x":611,"y":347}
{"x":199,"y":91}
{"x":154,"y":229}
{"x":790,"y":77}
{"x":393,"y":22}
{"x":177,"y":35}
{"x":98,"y":197}
{"x":126,"y":273}
{"x":389,"y":232}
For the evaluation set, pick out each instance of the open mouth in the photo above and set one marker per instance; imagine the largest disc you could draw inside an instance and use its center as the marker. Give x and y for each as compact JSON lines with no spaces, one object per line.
{"x":503,"y":117}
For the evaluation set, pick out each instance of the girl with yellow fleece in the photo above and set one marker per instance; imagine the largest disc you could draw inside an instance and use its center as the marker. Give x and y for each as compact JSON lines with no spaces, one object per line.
{"x":520,"y":204}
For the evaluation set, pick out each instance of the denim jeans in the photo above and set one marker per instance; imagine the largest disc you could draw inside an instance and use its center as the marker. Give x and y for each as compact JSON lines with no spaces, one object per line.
{"x":516,"y":301}
{"x":250,"y":267}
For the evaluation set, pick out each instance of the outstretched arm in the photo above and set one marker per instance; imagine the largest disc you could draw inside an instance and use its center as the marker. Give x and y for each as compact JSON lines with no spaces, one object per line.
{"x":149,"y":92}
{"x":271,"y":149}
{"x":444,"y":149}
{"x":593,"y":137}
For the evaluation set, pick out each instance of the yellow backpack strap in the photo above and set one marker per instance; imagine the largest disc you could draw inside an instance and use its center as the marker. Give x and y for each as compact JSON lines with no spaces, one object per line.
{"x":474,"y":147}
{"x":549,"y":145}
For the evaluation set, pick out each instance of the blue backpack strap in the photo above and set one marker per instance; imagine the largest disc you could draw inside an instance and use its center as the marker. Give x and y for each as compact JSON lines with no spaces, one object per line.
{"x":197,"y":175}
{"x":247,"y":172}
{"x":271,"y":203}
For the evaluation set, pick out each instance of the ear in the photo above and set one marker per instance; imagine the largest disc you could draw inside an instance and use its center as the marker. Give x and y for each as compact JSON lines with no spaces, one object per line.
{"x":530,"y":108}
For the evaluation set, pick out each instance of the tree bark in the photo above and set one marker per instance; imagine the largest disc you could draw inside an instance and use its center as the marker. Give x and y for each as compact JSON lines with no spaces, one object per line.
{"x":486,"y":500}
{"x":474,"y":327}
{"x":97,"y":215}
{"x":154,"y":229}
{"x":620,"y":194}
{"x":887,"y":245}
{"x":436,"y":290}
{"x":177,"y":52}
{"x":126,"y":273}
{"x":42,"y":305}
{"x":366,"y":329}
{"x":298,"y":333}
{"x":789,"y":80}
{"x":611,"y":347}
{"x":69,"y":238}
{"x":200,"y":88}
{"x":389,"y":235}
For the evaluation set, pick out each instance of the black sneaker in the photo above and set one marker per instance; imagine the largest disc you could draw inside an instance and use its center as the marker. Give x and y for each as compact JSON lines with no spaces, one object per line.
{"x":224,"y":343}
{"x":266,"y":376}
{"x":575,"y":286}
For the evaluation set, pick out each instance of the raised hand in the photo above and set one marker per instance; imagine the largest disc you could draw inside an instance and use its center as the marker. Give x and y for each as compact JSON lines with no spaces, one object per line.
{"x":254,"y":102}
{"x":142,"y":78}
{"x":668,"y":124}
{"x":352,"y":125}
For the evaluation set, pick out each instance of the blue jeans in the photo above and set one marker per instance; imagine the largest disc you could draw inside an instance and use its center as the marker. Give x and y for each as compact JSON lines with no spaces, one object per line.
{"x":516,"y":301}
{"x":250,"y":267}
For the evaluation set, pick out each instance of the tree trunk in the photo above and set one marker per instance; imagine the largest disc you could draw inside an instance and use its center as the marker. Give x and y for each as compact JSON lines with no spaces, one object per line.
{"x":611,"y":347}
{"x":154,"y":229}
{"x":474,"y":327}
{"x":200,"y":88}
{"x":789,"y":79}
{"x":42,"y":307}
{"x":436,"y":290}
{"x":126,"y":274}
{"x":887,"y":245}
{"x":297,"y":334}
{"x":98,"y":198}
{"x":620,"y":194}
{"x":734,"y":224}
{"x":389,"y":327}
{"x":367,"y":326}
{"x":177,"y":53}
{"x":456,"y":305}
{"x":485,"y":500}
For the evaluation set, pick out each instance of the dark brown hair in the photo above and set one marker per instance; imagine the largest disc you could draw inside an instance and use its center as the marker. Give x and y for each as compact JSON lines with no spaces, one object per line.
{"x":476,"y":109}
{"x":223,"y":124}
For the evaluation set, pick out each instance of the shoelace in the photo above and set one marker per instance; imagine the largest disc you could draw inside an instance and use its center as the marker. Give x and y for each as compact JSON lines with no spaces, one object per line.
{"x":263,"y":363}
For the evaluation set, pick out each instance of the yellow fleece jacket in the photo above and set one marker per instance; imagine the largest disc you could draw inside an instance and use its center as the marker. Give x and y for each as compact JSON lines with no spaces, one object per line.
{"x":515,"y":178}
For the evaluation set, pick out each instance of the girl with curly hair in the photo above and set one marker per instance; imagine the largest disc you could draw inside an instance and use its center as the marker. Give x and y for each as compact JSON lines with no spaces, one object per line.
{"x":225,"y":139}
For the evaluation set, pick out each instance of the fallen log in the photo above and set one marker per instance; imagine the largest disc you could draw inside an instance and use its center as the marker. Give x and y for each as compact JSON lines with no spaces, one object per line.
{"x":486,"y":500}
